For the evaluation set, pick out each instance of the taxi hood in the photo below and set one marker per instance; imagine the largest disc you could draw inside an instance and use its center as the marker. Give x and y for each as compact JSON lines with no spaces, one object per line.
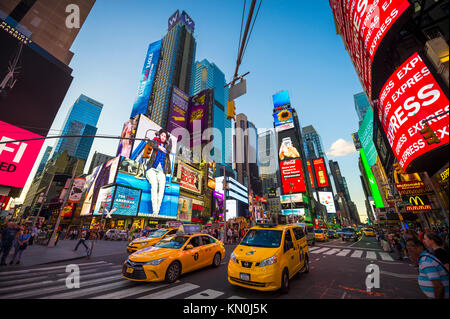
{"x":151,"y":253}
{"x":150,"y":241}
{"x":254,"y":254}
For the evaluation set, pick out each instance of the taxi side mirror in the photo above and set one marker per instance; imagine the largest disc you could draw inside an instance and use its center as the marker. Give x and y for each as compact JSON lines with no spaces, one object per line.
{"x":189,"y":247}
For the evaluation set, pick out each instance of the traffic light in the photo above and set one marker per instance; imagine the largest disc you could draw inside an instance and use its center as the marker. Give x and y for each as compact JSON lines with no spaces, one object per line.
{"x":147,"y":151}
{"x":429,"y":135}
{"x":231,"y":110}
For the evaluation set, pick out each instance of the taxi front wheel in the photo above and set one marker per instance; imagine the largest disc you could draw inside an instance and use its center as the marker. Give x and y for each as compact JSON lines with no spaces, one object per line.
{"x":173,"y":272}
{"x":284,"y":289}
{"x":217,"y":259}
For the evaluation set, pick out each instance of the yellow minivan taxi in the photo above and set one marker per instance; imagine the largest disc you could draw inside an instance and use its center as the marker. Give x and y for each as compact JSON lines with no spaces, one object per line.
{"x":321,"y":234}
{"x":153,"y":238}
{"x":268,"y":256}
{"x":173,"y":256}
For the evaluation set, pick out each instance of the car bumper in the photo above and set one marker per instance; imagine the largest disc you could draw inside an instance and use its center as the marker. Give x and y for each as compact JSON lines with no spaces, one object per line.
{"x":146,"y":273}
{"x":264,"y":279}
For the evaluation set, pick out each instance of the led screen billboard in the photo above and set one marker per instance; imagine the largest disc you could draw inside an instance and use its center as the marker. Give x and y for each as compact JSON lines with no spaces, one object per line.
{"x":365,"y":134}
{"x":321,"y":172}
{"x":292,"y":177}
{"x":184,"y":209}
{"x":190,"y":178}
{"x":104,"y":201}
{"x":326,"y":199}
{"x":178,"y":110}
{"x":128,"y":131}
{"x":289,"y":146}
{"x":410,"y":96}
{"x":280,"y":99}
{"x":372,"y":182}
{"x":17,"y":158}
{"x":126,"y":201}
{"x":308,"y":163}
{"x":147,"y":77}
{"x":199,"y":106}
{"x":283,"y":120}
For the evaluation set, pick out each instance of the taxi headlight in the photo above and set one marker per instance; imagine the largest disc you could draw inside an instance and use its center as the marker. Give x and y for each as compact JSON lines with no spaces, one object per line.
{"x":233,"y":257}
{"x":269,"y":261}
{"x":155,"y":262}
{"x":143,"y":242}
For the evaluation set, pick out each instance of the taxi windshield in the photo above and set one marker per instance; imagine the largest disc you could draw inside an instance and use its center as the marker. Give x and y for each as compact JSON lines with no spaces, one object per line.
{"x":262,"y":238}
{"x":158,"y":233}
{"x":174,"y":242}
{"x":318,"y":231}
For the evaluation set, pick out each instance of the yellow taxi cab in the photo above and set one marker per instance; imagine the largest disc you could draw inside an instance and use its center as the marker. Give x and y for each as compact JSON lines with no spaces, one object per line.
{"x":268,"y":256}
{"x":368,"y":232}
{"x":186,"y":251}
{"x":153,"y":238}
{"x":321,"y":234}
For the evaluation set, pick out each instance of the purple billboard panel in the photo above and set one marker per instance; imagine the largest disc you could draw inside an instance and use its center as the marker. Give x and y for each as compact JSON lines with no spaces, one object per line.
{"x":198,"y":111}
{"x":178,"y":110}
{"x":174,"y":18}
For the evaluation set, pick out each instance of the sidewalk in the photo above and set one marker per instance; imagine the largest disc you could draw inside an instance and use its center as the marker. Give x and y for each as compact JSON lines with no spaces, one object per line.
{"x":38,"y":254}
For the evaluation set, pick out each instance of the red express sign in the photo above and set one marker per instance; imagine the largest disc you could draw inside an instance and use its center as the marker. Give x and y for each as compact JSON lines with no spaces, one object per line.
{"x":409,"y":96}
{"x":321,"y":172}
{"x":363,"y":24}
{"x":292,"y":176}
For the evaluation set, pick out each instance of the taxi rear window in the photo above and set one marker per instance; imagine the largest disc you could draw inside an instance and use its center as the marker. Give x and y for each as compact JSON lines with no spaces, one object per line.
{"x":262,"y":238}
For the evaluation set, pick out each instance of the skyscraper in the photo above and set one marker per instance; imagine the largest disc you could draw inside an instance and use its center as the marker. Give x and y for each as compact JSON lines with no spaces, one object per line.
{"x":312,"y":143}
{"x":361,"y":105}
{"x":44,"y":160}
{"x":339,"y":181}
{"x":208,"y":76}
{"x":175,"y":66}
{"x":81,"y":120}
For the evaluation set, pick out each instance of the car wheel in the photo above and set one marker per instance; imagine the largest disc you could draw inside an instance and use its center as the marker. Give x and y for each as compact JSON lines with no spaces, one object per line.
{"x":306,"y":267}
{"x":284,"y":282}
{"x":173,"y":272}
{"x":217,"y":259}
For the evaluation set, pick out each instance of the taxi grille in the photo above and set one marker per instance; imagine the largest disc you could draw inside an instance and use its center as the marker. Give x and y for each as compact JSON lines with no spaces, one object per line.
{"x":249,"y":283}
{"x":138,"y":273}
{"x":246,"y":264}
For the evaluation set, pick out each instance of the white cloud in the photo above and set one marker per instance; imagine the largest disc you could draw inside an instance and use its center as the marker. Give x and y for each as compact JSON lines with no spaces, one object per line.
{"x":341,"y":148}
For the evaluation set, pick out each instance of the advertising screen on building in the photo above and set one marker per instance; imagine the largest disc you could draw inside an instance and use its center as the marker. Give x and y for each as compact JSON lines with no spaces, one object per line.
{"x":410,"y":96}
{"x":326,"y":199}
{"x":17,"y":158}
{"x":363,"y":25}
{"x":308,"y":163}
{"x":283,"y":120}
{"x":372,"y":182}
{"x":128,"y":131}
{"x":280,"y":99}
{"x":104,"y":201}
{"x":190,"y":178}
{"x":198,"y":115}
{"x":365,"y":134}
{"x":184,"y":209}
{"x":76,"y":190}
{"x":178,"y":111}
{"x":147,"y":78}
{"x":126,"y":201}
{"x":136,"y":175}
{"x":293,"y":179}
{"x":289,"y":146}
{"x":321,"y":172}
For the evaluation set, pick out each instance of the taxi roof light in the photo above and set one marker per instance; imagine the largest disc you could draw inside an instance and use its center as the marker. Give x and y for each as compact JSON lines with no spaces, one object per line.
{"x":266,"y":225}
{"x":188,"y":229}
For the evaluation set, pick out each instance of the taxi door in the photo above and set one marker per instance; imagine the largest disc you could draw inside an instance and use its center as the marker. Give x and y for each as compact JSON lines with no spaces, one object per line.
{"x":208,"y":251}
{"x":191,"y":257}
{"x":291,"y":252}
{"x":300,"y":240}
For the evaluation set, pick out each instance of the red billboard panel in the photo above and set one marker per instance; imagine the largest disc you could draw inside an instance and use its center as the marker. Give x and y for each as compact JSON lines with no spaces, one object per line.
{"x":363,"y":25}
{"x":321,"y":172}
{"x":310,"y":174}
{"x":292,"y":176}
{"x":17,"y":158}
{"x":409,"y":96}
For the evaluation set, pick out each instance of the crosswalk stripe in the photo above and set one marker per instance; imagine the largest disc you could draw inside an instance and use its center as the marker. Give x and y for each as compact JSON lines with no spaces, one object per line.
{"x":320,"y":251}
{"x":332,"y":251}
{"x":128,"y":292}
{"x":235,"y":297}
{"x":206,"y":294}
{"x":47,"y":268}
{"x":26,"y":286}
{"x":97,"y":274}
{"x":357,"y":254}
{"x":77,"y":293}
{"x":171,"y":292}
{"x":371,"y":255}
{"x":37,"y":292}
{"x":21,"y":281}
{"x":386,"y":256}
{"x":313,"y":248}
{"x":344,"y":252}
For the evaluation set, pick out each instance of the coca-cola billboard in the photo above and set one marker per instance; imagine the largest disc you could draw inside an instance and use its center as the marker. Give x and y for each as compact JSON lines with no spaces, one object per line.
{"x":292,"y":176}
{"x":410,"y":96}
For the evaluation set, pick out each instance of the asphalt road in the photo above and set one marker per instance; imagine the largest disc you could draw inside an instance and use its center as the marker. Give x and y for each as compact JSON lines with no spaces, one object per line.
{"x":338,"y":271}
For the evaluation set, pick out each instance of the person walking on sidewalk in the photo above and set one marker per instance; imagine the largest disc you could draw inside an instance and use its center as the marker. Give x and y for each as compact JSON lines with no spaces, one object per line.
{"x":435,"y":245}
{"x":229,"y":236}
{"x":22,"y":239}
{"x":8,"y":236}
{"x":433,"y":277}
{"x":82,"y":241}
{"x":33,"y":235}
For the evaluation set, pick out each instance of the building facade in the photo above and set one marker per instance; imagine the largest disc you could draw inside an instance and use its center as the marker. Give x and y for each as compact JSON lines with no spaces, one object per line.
{"x":44,"y":160}
{"x":361,"y":106}
{"x":98,"y":159}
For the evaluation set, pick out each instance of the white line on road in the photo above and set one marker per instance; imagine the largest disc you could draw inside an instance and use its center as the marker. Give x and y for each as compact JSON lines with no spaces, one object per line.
{"x":206,"y":294}
{"x":371,"y":255}
{"x":320,"y":251}
{"x":235,"y":297}
{"x":344,"y":252}
{"x":171,"y":292}
{"x":357,"y":254}
{"x":386,"y":256}
{"x":332,"y":251}
{"x":313,"y":248}
{"x":47,"y":268}
{"x":398,"y":275}
{"x":83,"y":292}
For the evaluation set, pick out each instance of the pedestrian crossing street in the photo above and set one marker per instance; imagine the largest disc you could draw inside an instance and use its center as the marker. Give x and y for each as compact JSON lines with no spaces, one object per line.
{"x":98,"y":280}
{"x":354,"y":253}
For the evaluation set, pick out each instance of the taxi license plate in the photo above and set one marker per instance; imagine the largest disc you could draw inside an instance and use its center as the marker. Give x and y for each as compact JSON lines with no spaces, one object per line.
{"x":130,"y":270}
{"x":245,"y":277}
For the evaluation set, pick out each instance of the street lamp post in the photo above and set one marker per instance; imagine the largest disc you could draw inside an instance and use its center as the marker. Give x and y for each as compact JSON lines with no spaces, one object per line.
{"x":44,"y":199}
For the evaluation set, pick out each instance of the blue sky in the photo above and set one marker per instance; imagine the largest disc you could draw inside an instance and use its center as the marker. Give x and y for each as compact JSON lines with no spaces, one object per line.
{"x":293,"y":47}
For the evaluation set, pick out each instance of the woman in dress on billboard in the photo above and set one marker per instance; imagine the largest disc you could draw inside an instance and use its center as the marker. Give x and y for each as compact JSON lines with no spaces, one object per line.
{"x":158,"y":166}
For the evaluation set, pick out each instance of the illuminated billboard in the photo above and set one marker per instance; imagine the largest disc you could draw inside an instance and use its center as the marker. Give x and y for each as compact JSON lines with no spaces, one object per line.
{"x":372,"y":182}
{"x":184,"y":213}
{"x":178,"y":110}
{"x":190,"y":178}
{"x":147,"y":78}
{"x":104,"y":200}
{"x":199,"y":107}
{"x":410,"y":96}
{"x":292,"y":177}
{"x":363,"y":25}
{"x":17,"y":158}
{"x":280,"y":99}
{"x":128,"y":131}
{"x":289,"y":146}
{"x":283,"y":120}
{"x":126,"y":201}
{"x":326,"y":199}
{"x":321,"y":172}
{"x":308,"y":163}
{"x":365,"y":134}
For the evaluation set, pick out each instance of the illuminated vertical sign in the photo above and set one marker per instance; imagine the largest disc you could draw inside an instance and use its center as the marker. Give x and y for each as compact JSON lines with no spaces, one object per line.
{"x":321,"y":172}
{"x":308,"y":163}
{"x":372,"y":182}
{"x":365,"y":134}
